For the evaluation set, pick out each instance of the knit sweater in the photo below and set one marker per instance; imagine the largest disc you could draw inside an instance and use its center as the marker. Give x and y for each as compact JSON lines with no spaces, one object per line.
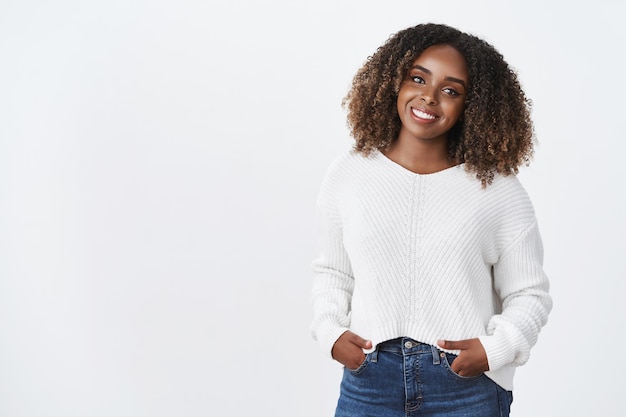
{"x":428,"y":256}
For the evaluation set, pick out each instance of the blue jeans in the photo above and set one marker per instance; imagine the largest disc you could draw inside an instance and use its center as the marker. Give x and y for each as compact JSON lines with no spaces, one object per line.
{"x":406,"y":378}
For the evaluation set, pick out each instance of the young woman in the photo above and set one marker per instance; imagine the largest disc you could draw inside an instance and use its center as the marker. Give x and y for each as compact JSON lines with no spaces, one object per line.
{"x":429,"y":287}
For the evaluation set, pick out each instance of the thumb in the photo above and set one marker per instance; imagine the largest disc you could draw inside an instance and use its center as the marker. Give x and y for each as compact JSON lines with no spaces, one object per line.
{"x":451,"y":345}
{"x":367,"y":344}
{"x":360,"y":342}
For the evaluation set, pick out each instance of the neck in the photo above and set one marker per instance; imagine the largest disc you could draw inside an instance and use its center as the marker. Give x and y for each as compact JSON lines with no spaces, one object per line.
{"x":421,"y":157}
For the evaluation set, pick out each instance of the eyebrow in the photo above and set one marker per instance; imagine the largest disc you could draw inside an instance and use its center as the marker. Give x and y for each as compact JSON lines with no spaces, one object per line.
{"x":427,"y":71}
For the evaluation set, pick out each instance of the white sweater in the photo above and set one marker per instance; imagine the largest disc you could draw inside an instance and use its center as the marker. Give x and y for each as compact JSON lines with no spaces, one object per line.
{"x":429,"y":257}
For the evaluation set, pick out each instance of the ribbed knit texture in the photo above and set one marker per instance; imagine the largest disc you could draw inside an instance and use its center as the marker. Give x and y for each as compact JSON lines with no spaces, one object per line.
{"x":429,"y":257}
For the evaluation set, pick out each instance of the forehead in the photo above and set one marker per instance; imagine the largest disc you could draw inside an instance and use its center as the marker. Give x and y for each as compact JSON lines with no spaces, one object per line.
{"x":443,"y":59}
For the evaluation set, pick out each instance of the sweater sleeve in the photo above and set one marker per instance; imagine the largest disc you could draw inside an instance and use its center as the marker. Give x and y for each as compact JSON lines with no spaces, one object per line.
{"x":333,"y":280}
{"x":522,"y":285}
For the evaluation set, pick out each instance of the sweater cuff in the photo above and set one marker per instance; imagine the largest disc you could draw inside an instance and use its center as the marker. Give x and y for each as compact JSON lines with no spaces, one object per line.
{"x":328,"y":337}
{"x":499,"y":352}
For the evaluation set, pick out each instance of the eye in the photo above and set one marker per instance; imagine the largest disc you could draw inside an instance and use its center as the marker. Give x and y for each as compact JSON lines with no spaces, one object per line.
{"x":450,"y":91}
{"x":418,"y":79}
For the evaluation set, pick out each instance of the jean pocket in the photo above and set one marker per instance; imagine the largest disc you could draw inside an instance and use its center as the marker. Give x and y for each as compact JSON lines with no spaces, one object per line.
{"x":362,"y":366}
{"x":447,"y":359}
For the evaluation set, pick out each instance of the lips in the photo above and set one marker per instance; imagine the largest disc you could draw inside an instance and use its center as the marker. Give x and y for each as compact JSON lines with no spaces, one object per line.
{"x":423,"y":115}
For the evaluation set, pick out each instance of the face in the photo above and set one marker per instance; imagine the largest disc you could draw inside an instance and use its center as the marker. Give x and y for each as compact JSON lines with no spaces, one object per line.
{"x":431,"y":99}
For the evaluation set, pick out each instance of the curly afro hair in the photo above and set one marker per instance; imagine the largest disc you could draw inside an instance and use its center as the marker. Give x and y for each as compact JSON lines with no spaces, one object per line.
{"x":495,"y":133}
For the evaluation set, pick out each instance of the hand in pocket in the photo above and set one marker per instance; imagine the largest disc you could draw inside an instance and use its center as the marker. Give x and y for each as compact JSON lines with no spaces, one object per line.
{"x":348,"y":350}
{"x":471,"y":361}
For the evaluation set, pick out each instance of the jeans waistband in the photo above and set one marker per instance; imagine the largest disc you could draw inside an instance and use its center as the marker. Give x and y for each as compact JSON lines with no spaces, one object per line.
{"x":404,"y":345}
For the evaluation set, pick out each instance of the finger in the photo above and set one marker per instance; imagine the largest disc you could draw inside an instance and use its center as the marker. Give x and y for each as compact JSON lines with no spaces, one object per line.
{"x":360,"y":342}
{"x":445,"y":344}
{"x":356,"y":362}
{"x":458,"y":365}
{"x":355,"y":355}
{"x":455,"y":367}
{"x":452,"y":344}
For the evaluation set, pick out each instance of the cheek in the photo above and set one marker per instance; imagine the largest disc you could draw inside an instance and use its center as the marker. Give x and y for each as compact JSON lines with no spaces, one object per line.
{"x":457,"y":112}
{"x":399,"y":105}
{"x":405,"y":94}
{"x":461,"y":111}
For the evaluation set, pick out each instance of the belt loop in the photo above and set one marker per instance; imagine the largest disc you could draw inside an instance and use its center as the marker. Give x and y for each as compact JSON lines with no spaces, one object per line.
{"x":436,"y":360}
{"x":374,"y":355}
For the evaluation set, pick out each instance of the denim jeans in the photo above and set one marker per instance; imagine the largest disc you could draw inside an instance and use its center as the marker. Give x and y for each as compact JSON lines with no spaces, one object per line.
{"x":406,"y":378}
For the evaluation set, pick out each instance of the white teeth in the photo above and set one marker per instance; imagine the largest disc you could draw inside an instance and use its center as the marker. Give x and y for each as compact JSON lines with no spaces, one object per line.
{"x":423,"y":115}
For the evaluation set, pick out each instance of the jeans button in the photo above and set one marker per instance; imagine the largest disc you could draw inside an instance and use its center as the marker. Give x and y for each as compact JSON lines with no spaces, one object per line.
{"x":408,"y":344}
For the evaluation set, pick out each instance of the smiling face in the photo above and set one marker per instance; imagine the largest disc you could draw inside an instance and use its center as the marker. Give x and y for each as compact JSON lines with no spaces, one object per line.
{"x":431,"y":99}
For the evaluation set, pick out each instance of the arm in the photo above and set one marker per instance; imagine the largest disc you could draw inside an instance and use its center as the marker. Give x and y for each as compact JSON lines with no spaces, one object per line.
{"x":332,"y":294}
{"x":522,"y":285}
{"x":333,"y":283}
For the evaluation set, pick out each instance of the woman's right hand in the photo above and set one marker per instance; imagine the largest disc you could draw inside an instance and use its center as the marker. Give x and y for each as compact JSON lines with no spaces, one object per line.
{"x":348,"y":350}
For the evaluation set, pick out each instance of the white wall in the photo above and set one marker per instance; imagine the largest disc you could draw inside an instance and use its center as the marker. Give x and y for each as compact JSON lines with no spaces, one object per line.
{"x":159,"y":163}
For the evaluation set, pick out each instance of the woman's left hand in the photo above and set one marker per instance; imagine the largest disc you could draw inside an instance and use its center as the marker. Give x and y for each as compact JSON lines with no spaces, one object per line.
{"x":472,"y":361}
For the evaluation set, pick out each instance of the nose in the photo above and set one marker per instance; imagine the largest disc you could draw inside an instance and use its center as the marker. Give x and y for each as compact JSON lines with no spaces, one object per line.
{"x":429,"y":96}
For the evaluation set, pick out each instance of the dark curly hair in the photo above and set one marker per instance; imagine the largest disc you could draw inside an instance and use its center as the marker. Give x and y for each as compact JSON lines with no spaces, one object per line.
{"x":495,"y":133}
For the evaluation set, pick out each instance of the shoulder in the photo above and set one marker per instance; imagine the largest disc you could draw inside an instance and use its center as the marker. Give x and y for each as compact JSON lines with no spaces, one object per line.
{"x":345,"y":176}
{"x":335,"y":175}
{"x":512,"y":209}
{"x":344,"y":166}
{"x":504,"y":198}
{"x":498,"y":191}
{"x":345,"y":161}
{"x":510,"y":191}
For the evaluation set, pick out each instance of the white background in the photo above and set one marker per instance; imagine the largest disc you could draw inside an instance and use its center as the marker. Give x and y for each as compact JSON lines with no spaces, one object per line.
{"x":159,"y":163}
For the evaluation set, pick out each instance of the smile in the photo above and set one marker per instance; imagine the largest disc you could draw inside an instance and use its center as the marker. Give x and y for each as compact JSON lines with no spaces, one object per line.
{"x":422,"y":114}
